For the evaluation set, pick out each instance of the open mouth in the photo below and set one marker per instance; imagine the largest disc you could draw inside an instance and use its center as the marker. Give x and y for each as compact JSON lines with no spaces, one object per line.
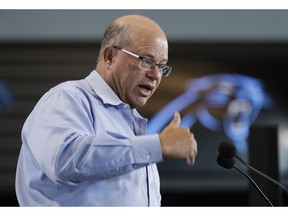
{"x":145,"y":89}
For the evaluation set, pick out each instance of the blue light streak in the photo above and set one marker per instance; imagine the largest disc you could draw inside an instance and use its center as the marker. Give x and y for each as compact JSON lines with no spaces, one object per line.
{"x":241,"y":97}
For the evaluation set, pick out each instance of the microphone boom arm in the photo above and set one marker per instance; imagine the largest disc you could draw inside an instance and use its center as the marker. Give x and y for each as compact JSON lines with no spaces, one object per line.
{"x":268,"y":201}
{"x":262,"y":174}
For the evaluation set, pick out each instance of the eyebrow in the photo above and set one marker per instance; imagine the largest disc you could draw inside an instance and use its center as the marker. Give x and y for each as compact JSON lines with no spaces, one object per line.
{"x":149,"y":56}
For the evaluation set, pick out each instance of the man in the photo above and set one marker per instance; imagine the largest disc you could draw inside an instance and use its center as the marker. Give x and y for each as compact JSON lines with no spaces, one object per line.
{"x":84,"y":143}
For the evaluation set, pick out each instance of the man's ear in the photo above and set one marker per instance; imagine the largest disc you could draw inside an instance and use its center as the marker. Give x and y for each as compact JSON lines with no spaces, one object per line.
{"x":109,"y":53}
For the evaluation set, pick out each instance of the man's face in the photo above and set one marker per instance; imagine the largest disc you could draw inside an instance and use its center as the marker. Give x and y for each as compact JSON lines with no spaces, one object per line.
{"x":132,"y":84}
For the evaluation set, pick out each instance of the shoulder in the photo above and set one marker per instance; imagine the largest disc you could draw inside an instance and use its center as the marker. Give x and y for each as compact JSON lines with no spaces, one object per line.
{"x":75,"y":87}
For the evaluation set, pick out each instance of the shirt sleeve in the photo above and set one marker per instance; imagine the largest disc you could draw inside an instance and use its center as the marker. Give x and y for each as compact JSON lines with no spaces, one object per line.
{"x":62,"y":139}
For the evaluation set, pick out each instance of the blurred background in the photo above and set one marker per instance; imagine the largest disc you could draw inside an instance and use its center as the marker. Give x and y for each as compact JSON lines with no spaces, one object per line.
{"x":229,"y":83}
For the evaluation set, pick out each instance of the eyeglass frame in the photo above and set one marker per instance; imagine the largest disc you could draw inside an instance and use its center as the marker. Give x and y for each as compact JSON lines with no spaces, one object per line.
{"x":149,"y":60}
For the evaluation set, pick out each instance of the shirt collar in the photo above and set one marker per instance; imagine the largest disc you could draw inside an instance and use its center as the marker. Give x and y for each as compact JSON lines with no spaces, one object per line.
{"x":102,"y":89}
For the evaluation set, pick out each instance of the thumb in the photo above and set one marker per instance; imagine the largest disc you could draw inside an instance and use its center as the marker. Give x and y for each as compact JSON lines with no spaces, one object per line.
{"x":175,"y":122}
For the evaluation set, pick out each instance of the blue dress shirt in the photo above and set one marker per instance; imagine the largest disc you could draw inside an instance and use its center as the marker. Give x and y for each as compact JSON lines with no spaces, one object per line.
{"x":82,"y":146}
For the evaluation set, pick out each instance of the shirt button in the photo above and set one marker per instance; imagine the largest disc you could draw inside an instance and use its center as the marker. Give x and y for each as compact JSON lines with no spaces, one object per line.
{"x":148,"y":157}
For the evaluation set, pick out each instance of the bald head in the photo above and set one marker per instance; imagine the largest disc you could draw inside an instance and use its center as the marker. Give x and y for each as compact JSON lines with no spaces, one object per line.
{"x":131,"y":29}
{"x":138,"y":23}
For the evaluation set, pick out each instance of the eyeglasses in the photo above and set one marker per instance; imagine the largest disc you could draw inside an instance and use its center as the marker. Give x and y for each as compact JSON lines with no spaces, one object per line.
{"x":149,"y":64}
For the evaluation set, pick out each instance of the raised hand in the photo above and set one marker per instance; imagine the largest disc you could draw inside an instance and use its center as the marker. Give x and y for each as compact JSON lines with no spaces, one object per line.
{"x":178,"y":142}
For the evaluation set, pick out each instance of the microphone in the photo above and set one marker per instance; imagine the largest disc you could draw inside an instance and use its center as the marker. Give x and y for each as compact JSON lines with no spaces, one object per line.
{"x":228,"y":163}
{"x":227,"y":149}
{"x":225,"y":162}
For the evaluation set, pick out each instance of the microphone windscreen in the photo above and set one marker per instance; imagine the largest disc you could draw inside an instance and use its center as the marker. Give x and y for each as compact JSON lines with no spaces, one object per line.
{"x":225,"y":162}
{"x":227,"y":149}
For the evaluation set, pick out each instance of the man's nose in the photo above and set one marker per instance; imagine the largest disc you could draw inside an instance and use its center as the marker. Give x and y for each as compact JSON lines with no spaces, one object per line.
{"x":154,"y":74}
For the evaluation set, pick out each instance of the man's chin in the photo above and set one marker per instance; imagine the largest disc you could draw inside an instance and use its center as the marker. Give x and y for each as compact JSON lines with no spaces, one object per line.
{"x":140,"y":103}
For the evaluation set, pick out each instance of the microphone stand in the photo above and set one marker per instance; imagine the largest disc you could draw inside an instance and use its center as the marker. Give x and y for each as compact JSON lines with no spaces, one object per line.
{"x":267,"y":200}
{"x":262,"y":174}
{"x":228,"y":163}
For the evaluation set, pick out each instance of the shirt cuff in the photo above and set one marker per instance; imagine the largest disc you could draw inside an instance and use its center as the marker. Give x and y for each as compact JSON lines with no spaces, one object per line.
{"x":147,"y":149}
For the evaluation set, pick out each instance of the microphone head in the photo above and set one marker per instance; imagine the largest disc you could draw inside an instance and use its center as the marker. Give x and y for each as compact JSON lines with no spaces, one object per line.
{"x":225,"y":162}
{"x":227,"y":149}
